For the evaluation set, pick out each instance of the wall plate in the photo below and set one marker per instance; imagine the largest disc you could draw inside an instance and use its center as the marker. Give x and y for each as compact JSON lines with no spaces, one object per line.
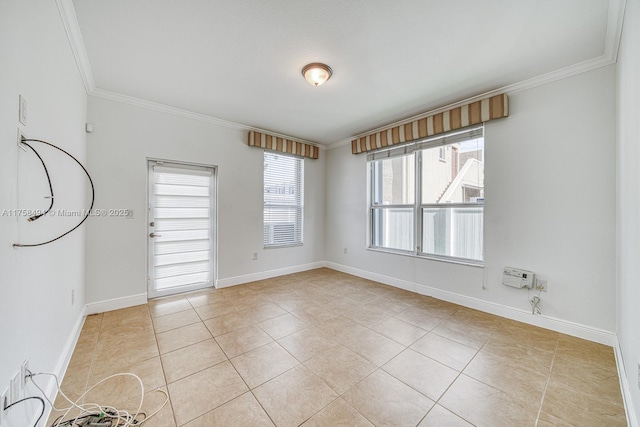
{"x":23,"y":373}
{"x":4,"y":401}
{"x":22,"y":110}
{"x":19,"y":139}
{"x":15,"y":387}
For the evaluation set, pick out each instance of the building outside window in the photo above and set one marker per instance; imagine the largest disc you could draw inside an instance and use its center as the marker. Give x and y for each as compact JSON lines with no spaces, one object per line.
{"x":428,"y":206}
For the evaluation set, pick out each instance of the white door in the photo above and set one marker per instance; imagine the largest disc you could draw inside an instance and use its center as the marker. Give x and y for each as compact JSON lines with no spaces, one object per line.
{"x":181,"y":227}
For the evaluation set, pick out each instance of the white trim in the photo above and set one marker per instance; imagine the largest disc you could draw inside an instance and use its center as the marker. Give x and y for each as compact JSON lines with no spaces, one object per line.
{"x":62,"y":365}
{"x":162,"y":108}
{"x":566,"y":327}
{"x":569,"y":328}
{"x":74,"y":35}
{"x":553,"y":76}
{"x":387,"y":280}
{"x":132,"y":300}
{"x":72,"y":28}
{"x":116,"y":303}
{"x":610,"y":56}
{"x":614,"y":28}
{"x":238,"y":280}
{"x":632,"y":420}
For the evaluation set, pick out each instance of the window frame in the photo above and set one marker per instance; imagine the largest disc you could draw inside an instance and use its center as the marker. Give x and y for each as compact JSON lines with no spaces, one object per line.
{"x":299,"y":208}
{"x":416,"y":149}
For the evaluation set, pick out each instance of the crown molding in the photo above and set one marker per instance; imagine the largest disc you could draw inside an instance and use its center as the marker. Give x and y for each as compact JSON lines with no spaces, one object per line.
{"x":609,"y":56}
{"x":612,"y":43}
{"x":72,"y":28}
{"x":540,"y":80}
{"x":614,"y":28}
{"x":163,"y":108}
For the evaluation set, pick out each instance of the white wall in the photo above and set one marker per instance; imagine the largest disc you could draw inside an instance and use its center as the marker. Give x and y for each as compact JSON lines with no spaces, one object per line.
{"x":36,"y":315}
{"x":124,"y":137}
{"x":628,"y":267}
{"x":549,"y":207}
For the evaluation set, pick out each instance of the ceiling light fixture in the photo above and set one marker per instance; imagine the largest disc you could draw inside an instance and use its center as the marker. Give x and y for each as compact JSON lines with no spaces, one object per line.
{"x":316,"y":73}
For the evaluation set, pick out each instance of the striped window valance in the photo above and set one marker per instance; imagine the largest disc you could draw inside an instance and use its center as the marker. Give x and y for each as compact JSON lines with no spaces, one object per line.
{"x":284,"y":145}
{"x":470,"y":114}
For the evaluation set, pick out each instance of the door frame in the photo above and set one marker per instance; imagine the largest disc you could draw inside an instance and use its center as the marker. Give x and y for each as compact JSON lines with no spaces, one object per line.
{"x":150,"y":161}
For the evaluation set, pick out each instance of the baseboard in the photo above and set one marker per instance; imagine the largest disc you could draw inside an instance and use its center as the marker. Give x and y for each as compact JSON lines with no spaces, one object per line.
{"x":130,"y":301}
{"x":61,"y":367}
{"x":238,"y":280}
{"x":632,"y":419}
{"x":116,"y":303}
{"x":559,"y":325}
{"x":387,"y":280}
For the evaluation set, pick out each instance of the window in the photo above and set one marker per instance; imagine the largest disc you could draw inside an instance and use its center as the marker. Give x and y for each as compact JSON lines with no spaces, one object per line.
{"x":423,"y":206}
{"x":283,"y":200}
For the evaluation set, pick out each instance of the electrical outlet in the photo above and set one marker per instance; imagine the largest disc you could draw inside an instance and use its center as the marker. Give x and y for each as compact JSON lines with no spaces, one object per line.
{"x":345,"y":250}
{"x":20,"y":137}
{"x":73,"y":296}
{"x":542,"y":285}
{"x":255,"y":256}
{"x":4,"y":402}
{"x":24,"y":369}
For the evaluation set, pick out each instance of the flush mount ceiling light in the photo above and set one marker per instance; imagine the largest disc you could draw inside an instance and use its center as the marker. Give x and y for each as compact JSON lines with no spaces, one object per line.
{"x":316,"y":73}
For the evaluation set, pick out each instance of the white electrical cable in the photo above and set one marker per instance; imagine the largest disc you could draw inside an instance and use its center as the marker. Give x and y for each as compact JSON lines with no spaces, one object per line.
{"x":127,"y":417}
{"x":86,"y":409}
{"x":535,"y":301}
{"x":161,"y":406}
{"x":534,"y":306}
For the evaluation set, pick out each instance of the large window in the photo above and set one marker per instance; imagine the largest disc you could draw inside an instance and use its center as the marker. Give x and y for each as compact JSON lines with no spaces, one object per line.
{"x":427,"y":198}
{"x":283,"y":200}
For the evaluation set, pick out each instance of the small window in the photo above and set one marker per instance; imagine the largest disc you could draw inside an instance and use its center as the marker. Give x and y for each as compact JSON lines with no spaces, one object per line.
{"x":283,"y":200}
{"x":442,"y":154}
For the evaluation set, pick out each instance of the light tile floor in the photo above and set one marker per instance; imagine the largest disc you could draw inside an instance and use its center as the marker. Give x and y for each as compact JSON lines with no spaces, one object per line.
{"x":323,"y":348}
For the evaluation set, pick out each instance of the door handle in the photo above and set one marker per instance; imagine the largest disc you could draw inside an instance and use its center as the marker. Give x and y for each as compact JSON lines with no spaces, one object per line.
{"x":154,"y":235}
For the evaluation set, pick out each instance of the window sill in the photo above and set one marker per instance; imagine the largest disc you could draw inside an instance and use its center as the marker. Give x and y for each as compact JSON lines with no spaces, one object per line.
{"x":469,"y":263}
{"x":292,"y":245}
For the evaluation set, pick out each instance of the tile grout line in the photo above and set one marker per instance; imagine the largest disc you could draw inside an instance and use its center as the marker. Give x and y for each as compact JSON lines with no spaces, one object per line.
{"x":316,"y":293}
{"x":544,"y":392}
{"x":249,"y":389}
{"x":166,"y":383}
{"x":461,"y":373}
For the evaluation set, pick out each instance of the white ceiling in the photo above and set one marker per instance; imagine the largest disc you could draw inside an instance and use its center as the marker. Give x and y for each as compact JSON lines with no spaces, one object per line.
{"x":240,"y":60}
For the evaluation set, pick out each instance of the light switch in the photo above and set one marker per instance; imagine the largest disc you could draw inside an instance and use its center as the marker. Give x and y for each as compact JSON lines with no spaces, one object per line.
{"x":22,"y":110}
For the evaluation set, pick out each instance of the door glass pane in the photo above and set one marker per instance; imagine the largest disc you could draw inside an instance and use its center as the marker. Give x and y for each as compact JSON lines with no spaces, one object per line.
{"x":181,"y":246}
